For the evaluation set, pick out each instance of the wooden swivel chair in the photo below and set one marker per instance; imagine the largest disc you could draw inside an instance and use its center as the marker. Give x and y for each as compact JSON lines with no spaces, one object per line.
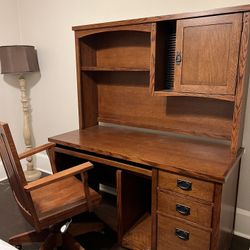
{"x":46,"y":203}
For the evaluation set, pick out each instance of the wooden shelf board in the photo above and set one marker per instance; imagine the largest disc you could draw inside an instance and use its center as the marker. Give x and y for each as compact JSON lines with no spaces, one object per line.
{"x":107,"y":211}
{"x":139,"y":236}
{"x":230,"y":98}
{"x":123,"y":69}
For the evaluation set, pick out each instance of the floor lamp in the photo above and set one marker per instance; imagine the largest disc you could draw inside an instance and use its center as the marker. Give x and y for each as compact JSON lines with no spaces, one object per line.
{"x":19,"y":60}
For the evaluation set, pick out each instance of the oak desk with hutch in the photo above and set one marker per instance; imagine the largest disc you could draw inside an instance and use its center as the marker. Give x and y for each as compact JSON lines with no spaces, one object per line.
{"x":185,"y":74}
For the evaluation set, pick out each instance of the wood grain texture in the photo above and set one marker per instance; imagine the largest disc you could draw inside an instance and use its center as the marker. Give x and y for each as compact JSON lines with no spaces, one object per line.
{"x":36,"y":150}
{"x":48,"y":203}
{"x":242,"y":86}
{"x":79,"y":85}
{"x":152,"y":78}
{"x":119,"y":49}
{"x":108,"y":162}
{"x":205,"y":160}
{"x":125,"y":69}
{"x":170,"y":93}
{"x":216,"y":217}
{"x":88,"y":101}
{"x":13,"y":167}
{"x":52,"y":159}
{"x":200,"y":189}
{"x":199,"y":213}
{"x":139,"y":237}
{"x":198,"y":239}
{"x":120,"y":92}
{"x":209,"y":48}
{"x":132,"y":27}
{"x":58,"y":176}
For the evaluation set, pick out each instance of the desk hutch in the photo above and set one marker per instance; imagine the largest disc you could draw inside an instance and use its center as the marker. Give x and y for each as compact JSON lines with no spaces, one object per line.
{"x":161,"y":114}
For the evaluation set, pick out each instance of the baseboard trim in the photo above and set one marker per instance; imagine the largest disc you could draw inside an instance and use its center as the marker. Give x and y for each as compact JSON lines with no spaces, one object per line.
{"x":242,"y":223}
{"x":245,"y":236}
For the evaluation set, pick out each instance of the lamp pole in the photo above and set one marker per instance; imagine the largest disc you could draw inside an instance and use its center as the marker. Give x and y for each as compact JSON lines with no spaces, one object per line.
{"x":31,"y":174}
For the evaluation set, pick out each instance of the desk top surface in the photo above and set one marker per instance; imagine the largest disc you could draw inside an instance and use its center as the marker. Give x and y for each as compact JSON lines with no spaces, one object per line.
{"x":206,"y":160}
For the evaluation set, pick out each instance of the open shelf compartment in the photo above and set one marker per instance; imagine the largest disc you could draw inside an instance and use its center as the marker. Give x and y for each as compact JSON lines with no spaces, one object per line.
{"x":139,"y":236}
{"x":134,"y":210}
{"x":115,"y":51}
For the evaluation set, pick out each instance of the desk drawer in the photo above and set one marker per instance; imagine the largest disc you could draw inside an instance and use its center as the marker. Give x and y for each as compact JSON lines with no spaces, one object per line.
{"x":176,"y":235}
{"x":186,"y":185}
{"x":186,"y":209}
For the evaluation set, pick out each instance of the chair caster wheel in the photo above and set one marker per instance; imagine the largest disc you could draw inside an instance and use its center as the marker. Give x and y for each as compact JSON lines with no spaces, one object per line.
{"x":18,"y":247}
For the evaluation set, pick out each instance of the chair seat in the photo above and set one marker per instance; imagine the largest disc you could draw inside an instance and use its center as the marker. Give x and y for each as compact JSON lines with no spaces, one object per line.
{"x":61,"y":196}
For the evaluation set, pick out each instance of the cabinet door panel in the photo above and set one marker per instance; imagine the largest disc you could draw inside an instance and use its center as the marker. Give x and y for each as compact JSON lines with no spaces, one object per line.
{"x":209,"y":48}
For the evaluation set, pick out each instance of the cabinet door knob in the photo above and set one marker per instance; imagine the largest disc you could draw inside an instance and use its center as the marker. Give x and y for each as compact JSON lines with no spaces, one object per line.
{"x":184,"y":210}
{"x":178,"y":58}
{"x":184,"y":185}
{"x":183,"y":235}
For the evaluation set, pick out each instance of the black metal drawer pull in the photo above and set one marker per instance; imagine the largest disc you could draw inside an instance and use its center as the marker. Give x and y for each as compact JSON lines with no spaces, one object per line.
{"x":183,"y":209}
{"x":183,"y":235}
{"x":184,"y":185}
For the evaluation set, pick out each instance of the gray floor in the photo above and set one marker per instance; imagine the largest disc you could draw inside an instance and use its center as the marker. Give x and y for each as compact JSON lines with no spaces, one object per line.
{"x":12,"y":223}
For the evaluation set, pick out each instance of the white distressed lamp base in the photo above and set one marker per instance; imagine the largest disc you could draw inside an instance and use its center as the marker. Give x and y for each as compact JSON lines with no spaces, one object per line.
{"x":32,"y":175}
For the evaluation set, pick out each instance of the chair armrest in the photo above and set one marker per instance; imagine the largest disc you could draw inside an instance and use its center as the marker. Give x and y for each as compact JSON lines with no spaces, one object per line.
{"x":58,"y":176}
{"x":36,"y":150}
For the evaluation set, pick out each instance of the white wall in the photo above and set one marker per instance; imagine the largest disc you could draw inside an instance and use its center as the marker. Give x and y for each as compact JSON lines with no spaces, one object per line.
{"x":47,"y":25}
{"x":9,"y":94}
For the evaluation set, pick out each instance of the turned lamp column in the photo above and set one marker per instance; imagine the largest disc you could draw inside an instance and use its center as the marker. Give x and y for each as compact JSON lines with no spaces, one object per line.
{"x":18,"y":60}
{"x":31,"y":173}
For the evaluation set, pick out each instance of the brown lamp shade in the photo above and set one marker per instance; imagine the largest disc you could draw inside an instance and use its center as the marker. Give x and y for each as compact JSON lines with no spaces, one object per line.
{"x":18,"y":59}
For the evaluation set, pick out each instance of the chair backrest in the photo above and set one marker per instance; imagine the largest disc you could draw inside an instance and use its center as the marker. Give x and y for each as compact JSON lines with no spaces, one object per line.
{"x":12,"y":165}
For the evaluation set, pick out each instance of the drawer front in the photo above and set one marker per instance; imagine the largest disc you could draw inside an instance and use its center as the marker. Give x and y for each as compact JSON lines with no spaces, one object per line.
{"x":185,"y":185}
{"x":183,"y":208}
{"x":175,"y":235}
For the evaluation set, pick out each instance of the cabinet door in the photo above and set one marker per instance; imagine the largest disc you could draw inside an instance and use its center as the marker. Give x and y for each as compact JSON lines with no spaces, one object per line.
{"x":207,"y":51}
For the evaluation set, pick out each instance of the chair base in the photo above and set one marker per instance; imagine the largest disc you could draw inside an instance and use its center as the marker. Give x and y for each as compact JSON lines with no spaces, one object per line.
{"x":52,"y":238}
